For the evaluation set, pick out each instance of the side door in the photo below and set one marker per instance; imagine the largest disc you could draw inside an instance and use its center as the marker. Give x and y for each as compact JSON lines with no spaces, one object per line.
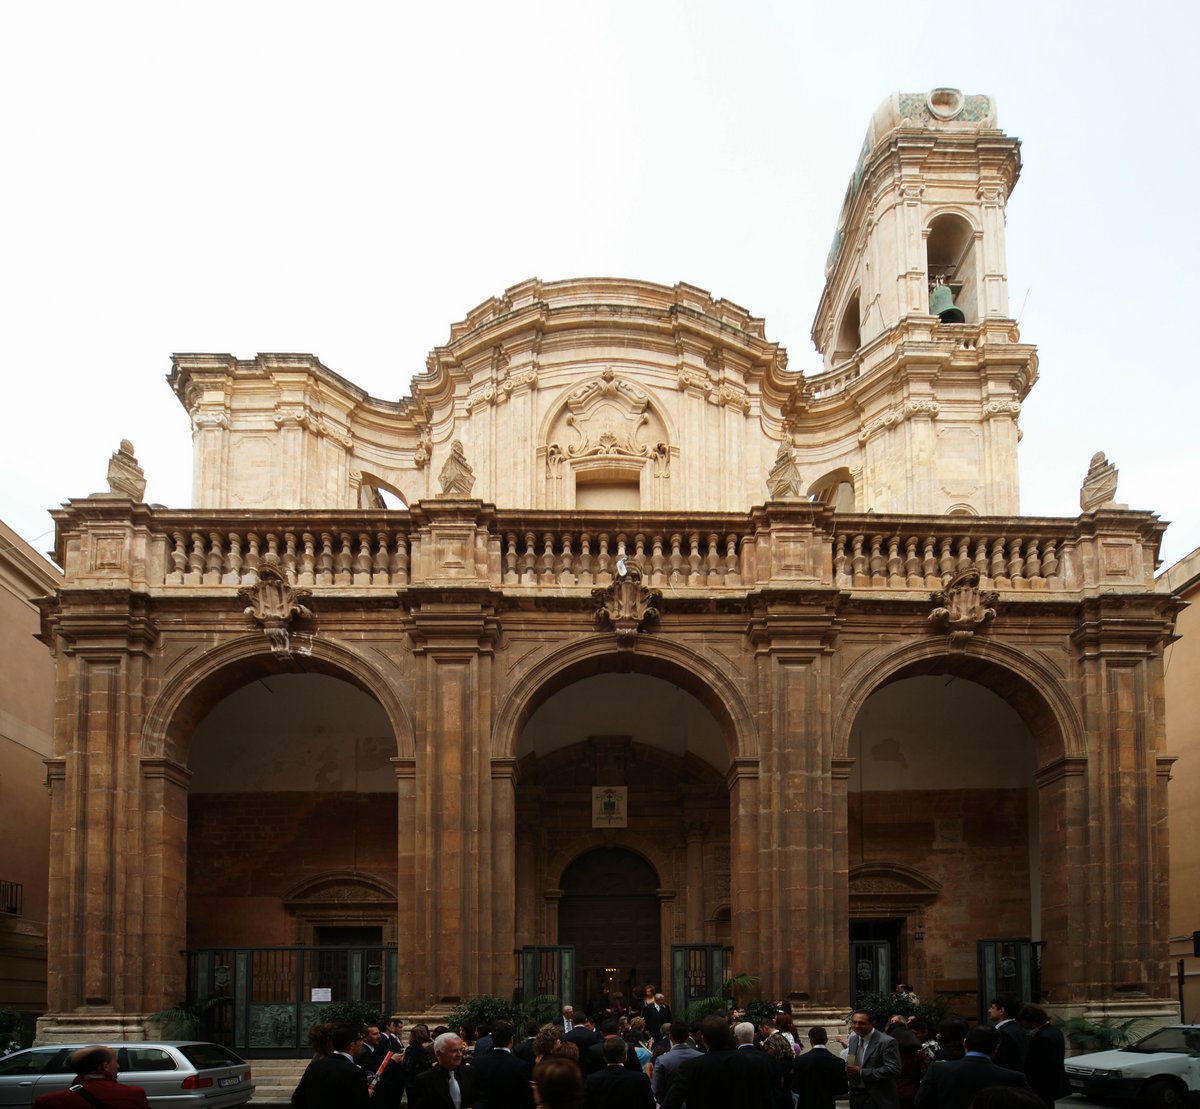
{"x":20,"y":1072}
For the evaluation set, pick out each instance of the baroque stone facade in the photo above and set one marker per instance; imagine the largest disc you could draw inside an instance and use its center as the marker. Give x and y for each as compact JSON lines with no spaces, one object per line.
{"x":830,"y":688}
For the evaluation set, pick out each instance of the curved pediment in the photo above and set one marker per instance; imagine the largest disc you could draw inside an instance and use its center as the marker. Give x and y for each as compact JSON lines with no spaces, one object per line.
{"x":893,"y":881}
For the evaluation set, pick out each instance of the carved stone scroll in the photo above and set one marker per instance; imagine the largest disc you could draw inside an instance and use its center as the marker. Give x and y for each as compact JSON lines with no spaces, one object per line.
{"x":457,"y":477}
{"x":962,"y":607}
{"x":274,"y":604}
{"x":627,"y":606}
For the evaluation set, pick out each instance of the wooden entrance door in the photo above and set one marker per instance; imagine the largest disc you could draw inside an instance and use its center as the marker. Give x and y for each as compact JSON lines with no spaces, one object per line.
{"x":609,"y":912}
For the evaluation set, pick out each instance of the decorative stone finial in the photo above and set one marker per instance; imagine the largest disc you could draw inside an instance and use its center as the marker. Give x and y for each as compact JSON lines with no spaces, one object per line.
{"x":125,"y":476}
{"x":1099,"y":488}
{"x":784,"y":479}
{"x":457,"y":477}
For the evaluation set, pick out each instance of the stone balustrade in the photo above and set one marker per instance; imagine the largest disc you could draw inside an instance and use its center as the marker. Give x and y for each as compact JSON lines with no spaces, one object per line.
{"x":779,"y":545}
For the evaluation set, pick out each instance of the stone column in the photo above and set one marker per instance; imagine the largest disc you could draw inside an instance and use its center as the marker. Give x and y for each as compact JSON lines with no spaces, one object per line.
{"x":694,"y":918}
{"x":408,"y":897}
{"x":1121,"y":951}
{"x":746,"y":909}
{"x":504,"y":878}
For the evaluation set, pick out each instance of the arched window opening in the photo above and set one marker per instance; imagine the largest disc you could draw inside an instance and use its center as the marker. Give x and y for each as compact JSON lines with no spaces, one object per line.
{"x":951,"y":261}
{"x":835,"y":489}
{"x":849,"y":337}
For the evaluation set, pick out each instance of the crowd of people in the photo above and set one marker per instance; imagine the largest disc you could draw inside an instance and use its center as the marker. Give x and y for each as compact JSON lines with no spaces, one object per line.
{"x":642,"y":1057}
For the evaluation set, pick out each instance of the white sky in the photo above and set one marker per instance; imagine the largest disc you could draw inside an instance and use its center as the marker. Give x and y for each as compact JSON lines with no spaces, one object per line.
{"x":350,"y":179}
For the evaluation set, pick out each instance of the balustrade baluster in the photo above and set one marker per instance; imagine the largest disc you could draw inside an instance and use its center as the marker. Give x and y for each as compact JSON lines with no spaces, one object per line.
{"x":604,"y":571}
{"x":676,"y":576}
{"x":272,"y":555}
{"x":1050,"y":564}
{"x":713,"y":561}
{"x":1016,"y":565}
{"x":343,"y":574}
{"x":529,"y":574}
{"x":399,"y":565}
{"x":999,"y":564}
{"x":964,"y":555}
{"x":639,"y":552}
{"x":567,"y":574}
{"x":195,"y":574}
{"x":1033,"y":565}
{"x":325,"y":560}
{"x":250,"y":566}
{"x":841,"y":574}
{"x":981,"y":559}
{"x":362,"y":560}
{"x":585,"y":559}
{"x":877,"y":563}
{"x":178,"y":559}
{"x":379,"y":567}
{"x":695,"y":577}
{"x":289,"y":556}
{"x":656,"y":561}
{"x":233,"y":575}
{"x":946,"y":559}
{"x":511,"y":577}
{"x":932,"y":578}
{"x":912,"y":564}
{"x":732,"y":574}
{"x":894,"y":565}
{"x":308,"y":561}
{"x":547,"y":559}
{"x":859,"y":561}
{"x":212,"y":561}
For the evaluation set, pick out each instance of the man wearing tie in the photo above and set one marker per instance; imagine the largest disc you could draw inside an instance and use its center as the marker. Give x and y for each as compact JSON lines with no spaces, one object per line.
{"x":872,"y":1066}
{"x":566,"y":1021}
{"x":448,"y":1085}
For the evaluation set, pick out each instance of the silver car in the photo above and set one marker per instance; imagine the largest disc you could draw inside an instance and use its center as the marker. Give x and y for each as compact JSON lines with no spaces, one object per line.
{"x":1157,"y":1071}
{"x":172,"y":1072}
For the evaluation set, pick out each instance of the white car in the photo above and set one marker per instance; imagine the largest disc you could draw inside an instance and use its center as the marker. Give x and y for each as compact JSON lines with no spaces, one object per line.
{"x":1157,"y":1070}
{"x":174,"y":1073}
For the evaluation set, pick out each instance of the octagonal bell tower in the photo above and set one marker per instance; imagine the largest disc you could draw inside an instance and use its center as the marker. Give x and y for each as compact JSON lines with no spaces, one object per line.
{"x":921,"y":356}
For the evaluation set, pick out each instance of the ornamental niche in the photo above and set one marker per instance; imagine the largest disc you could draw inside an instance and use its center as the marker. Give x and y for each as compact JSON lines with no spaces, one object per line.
{"x":608,"y":426}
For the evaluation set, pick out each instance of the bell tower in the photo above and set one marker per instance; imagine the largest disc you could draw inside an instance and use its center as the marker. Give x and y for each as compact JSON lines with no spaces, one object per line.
{"x":913,"y":324}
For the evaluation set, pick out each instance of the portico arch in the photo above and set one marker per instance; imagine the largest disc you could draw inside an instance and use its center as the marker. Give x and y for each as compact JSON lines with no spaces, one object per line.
{"x":560,"y":666}
{"x":207,"y":677}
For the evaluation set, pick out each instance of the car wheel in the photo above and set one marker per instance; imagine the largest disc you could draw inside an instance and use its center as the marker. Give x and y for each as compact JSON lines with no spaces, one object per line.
{"x":1163,"y":1094}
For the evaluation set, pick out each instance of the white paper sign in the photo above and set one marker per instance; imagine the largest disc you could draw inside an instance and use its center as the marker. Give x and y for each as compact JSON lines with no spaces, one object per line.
{"x":322,"y":993}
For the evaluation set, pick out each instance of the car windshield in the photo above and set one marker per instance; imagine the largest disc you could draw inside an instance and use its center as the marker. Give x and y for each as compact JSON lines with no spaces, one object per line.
{"x":1185,"y":1040}
{"x":208,"y":1056}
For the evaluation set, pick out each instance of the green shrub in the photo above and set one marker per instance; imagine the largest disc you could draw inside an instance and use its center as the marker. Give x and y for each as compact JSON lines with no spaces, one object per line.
{"x":701,"y":1008}
{"x":481,"y":1009}
{"x":881,"y":1006}
{"x":1101,"y":1034}
{"x":189,"y":1020}
{"x":10,"y":1028}
{"x":759,"y":1013}
{"x":354,"y":1014}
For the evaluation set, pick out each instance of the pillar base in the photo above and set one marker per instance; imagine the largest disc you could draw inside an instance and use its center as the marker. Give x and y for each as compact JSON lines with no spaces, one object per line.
{"x":835,"y":1021}
{"x":90,"y":1026}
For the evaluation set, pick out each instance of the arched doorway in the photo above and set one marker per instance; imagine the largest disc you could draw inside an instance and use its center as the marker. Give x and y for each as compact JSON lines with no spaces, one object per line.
{"x":943,"y":836}
{"x":620,"y":888}
{"x":609,"y":912}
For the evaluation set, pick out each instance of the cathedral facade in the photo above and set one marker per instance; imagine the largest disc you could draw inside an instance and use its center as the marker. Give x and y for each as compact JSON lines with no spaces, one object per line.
{"x":620,"y":652}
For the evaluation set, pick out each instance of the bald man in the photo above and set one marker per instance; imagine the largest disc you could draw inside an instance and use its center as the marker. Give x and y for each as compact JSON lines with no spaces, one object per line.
{"x":96,"y":1073}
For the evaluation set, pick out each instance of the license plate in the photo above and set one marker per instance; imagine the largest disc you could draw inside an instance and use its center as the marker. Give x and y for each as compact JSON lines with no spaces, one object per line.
{"x":232,"y":1080}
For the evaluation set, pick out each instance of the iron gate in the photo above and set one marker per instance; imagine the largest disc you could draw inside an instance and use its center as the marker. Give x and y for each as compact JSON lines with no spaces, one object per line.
{"x":263,"y":1000}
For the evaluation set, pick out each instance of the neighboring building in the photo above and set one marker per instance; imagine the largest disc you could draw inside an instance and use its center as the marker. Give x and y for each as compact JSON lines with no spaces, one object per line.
{"x":677,"y":662}
{"x":26,"y":727}
{"x":1182,"y":683}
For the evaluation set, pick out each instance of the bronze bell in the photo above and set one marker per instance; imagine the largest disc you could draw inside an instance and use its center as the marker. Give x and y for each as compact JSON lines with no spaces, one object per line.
{"x":941,"y":304}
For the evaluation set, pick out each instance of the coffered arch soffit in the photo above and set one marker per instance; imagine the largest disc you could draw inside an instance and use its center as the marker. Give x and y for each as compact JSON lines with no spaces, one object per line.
{"x":1030,"y":685}
{"x":559,"y":666}
{"x":188,"y":695}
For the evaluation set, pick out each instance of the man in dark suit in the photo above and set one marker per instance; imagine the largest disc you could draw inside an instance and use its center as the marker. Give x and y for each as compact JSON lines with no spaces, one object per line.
{"x":818,"y":1076}
{"x":374,"y":1049}
{"x":336,"y":1082}
{"x":1044,"y":1061}
{"x":656,"y":1013}
{"x":594,"y":1060}
{"x":952,"y":1085}
{"x":615,"y":1086}
{"x":584,"y":1036}
{"x":752,"y":1056}
{"x":503,"y":1081}
{"x":872,"y":1066}
{"x":721,"y":1078}
{"x":447,"y":1084}
{"x":1014,"y":1044}
{"x":566,"y":1019}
